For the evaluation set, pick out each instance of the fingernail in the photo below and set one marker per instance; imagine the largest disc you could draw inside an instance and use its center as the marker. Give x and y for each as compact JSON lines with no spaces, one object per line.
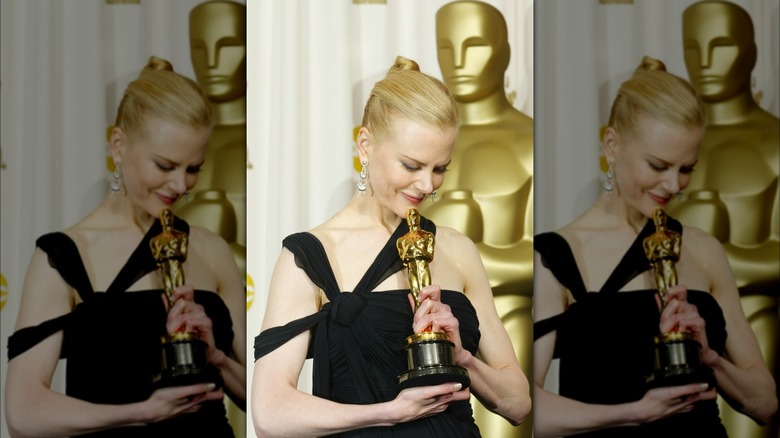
{"x":704,"y":385}
{"x":211,"y":386}
{"x":456,"y":386}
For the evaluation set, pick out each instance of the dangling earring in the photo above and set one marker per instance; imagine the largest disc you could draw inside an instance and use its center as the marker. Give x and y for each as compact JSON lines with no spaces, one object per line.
{"x":608,"y":186}
{"x":679,"y":196}
{"x":114,"y":185}
{"x":187,"y":195}
{"x":361,"y":182}
{"x":433,"y":196}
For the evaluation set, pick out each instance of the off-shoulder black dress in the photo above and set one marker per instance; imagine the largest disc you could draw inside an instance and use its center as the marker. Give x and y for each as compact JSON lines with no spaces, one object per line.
{"x":111,"y":339}
{"x":604,"y":339}
{"x":358,"y":338}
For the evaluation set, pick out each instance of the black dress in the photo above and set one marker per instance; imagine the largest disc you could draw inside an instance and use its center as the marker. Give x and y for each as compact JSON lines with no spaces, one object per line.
{"x":358,"y":338}
{"x":605,"y":340}
{"x":112,"y":339}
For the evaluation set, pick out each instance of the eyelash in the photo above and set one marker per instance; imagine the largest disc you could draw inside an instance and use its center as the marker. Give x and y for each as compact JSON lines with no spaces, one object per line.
{"x":437,"y":170}
{"x":684,"y":170}
{"x":190,"y":170}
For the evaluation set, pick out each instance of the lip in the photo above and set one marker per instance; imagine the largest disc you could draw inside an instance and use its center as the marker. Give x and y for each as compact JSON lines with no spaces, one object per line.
{"x":707,"y":79}
{"x":658,"y":199}
{"x":214,"y":79}
{"x":167,"y":200}
{"x":413,"y":199}
{"x":461,"y":78}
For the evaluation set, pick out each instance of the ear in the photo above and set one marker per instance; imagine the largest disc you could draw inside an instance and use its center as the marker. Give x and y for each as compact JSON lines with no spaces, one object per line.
{"x":117,"y":141}
{"x":611,"y":144}
{"x":364,"y":142}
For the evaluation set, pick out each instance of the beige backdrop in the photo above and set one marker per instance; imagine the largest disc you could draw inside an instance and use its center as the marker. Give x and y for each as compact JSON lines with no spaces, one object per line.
{"x":63,"y":68}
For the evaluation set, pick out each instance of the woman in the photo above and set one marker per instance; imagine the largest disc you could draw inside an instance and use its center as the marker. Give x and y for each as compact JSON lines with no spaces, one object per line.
{"x":111,"y":339}
{"x":405,"y":144}
{"x":605,"y":340}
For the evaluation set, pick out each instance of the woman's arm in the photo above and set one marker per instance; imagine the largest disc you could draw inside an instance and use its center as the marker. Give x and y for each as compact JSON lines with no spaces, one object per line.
{"x":556,"y":415}
{"x":33,"y":409}
{"x":743,"y":378}
{"x":280,"y":409}
{"x":496,"y":378}
{"x":230,"y":287}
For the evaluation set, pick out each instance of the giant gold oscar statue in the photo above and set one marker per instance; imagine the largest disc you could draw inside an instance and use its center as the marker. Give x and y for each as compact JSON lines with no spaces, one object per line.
{"x":218,"y":201}
{"x":218,"y":52}
{"x":487,"y":192}
{"x":734,"y":192}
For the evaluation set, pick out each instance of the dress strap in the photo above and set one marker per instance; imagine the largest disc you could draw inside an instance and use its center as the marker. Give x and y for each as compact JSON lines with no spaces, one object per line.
{"x":141,"y":261}
{"x":634,"y":261}
{"x":388,"y":262}
{"x":65,"y":258}
{"x":558,"y":258}
{"x":311,"y":257}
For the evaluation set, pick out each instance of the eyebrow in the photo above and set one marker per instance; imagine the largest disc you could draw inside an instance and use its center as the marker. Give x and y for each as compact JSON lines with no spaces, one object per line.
{"x":179,"y":164}
{"x":422,"y":164}
{"x":666,"y":163}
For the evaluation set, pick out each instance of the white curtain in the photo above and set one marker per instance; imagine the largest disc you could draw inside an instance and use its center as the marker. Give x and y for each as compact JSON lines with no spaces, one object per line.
{"x":585,"y":50}
{"x":63,"y":69}
{"x":311,"y":66}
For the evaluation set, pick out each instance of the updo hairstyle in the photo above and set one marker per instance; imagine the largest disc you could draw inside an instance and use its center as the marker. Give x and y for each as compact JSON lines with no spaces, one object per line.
{"x":162,"y":93}
{"x":406,"y":92}
{"x":654,"y":92}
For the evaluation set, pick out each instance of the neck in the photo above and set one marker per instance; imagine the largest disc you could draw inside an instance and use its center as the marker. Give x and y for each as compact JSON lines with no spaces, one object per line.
{"x":124,"y":213}
{"x":614,"y":205}
{"x":232,"y":112}
{"x":734,"y":110}
{"x":483,"y":111}
{"x":367,"y":207}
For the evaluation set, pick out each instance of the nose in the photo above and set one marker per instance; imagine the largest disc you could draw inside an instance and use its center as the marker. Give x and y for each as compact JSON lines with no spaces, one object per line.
{"x":178,"y":182}
{"x":212,"y":56}
{"x":425,"y":182}
{"x":672,"y":184}
{"x":459,"y":55}
{"x":705,"y":53}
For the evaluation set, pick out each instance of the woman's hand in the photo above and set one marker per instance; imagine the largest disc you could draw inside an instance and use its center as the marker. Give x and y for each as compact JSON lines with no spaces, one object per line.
{"x":680,"y":315}
{"x":425,"y":401}
{"x":170,"y":402}
{"x":438,"y":316}
{"x":188,"y":316}
{"x":660,"y":403}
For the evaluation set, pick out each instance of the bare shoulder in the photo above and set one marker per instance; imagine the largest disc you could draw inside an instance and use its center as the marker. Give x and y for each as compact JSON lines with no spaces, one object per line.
{"x":702,"y":244}
{"x":454,"y":240}
{"x":207,"y":242}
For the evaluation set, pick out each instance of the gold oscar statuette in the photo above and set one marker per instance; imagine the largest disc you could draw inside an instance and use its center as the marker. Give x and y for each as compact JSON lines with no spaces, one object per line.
{"x":183,"y":355}
{"x":676,"y":353}
{"x":430,"y":355}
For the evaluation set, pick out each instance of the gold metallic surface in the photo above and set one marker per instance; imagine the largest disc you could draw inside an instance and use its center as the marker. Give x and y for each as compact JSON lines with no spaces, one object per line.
{"x":734,"y":191}
{"x":218,"y":53}
{"x":487,"y":192}
{"x":662,"y":249}
{"x":416,"y":251}
{"x":169,"y":249}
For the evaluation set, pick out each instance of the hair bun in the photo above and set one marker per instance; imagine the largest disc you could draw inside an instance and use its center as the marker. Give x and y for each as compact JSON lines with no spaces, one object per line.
{"x":649,"y":64}
{"x":402,"y":63}
{"x":156,"y":64}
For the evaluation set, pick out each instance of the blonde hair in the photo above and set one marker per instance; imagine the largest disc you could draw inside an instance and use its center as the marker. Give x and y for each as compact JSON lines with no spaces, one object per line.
{"x":411,"y":94}
{"x":661,"y":95}
{"x":160,"y":92}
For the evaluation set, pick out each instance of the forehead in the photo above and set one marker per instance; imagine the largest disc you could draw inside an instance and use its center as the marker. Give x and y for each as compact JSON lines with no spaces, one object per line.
{"x":706,"y":22}
{"x":461,"y":21}
{"x":414,"y":138}
{"x":214,"y":20}
{"x":666,"y":140}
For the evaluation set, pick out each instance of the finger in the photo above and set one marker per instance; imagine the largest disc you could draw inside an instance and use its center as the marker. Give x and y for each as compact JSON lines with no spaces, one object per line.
{"x":184,"y":292}
{"x":432,"y":292}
